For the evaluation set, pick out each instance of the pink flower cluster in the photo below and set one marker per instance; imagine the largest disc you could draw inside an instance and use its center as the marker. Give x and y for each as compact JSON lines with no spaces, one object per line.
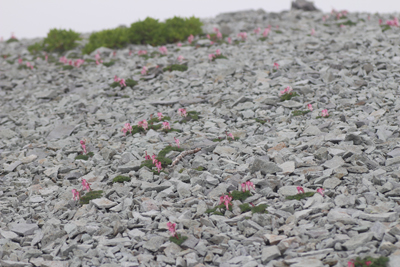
{"x":98,"y":58}
{"x":77,"y":63}
{"x":127,"y":128}
{"x":219,"y":34}
{"x":182,"y":112}
{"x":266,"y":31}
{"x":163,"y":50}
{"x":324,"y":113}
{"x":393,"y":22}
{"x":160,"y":115}
{"x":29,"y":65}
{"x":83,"y":144}
{"x":142,"y":52}
{"x":154,"y":160}
{"x":190,"y":39}
{"x":226,"y":199}
{"x":242,"y":35}
{"x":257,"y":31}
{"x":229,"y":135}
{"x":288,"y":90}
{"x":339,"y":14}
{"x":143,"y":124}
{"x":300,"y":190}
{"x":120,"y":81}
{"x":166,"y":125}
{"x":276,"y":65}
{"x":171,"y":228}
{"x":144,"y":70}
{"x":177,"y":141}
{"x":247,"y":184}
{"x":85,"y":186}
{"x":212,"y":56}
{"x":180,"y":59}
{"x":351,"y":263}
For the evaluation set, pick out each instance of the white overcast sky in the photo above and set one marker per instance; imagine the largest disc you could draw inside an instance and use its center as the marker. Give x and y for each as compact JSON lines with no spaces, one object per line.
{"x":34,"y":18}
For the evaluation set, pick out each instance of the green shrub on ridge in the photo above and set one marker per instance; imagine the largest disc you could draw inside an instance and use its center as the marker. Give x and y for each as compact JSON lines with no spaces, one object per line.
{"x":112,"y":38}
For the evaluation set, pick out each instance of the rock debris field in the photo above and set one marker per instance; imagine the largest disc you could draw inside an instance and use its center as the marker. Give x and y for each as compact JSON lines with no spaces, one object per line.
{"x":353,"y":71}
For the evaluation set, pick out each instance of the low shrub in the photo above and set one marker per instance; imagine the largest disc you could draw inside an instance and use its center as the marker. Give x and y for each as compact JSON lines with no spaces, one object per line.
{"x":60,"y":40}
{"x":111,"y":38}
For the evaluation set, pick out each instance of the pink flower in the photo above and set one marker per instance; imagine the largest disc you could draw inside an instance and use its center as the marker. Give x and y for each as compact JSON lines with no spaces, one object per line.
{"x":266,"y":32}
{"x":380,"y":21}
{"x":276,"y":65}
{"x":180,"y":59}
{"x":177,"y":141}
{"x":46,"y":57}
{"x":116,"y":79}
{"x":166,"y":125}
{"x":171,"y":228}
{"x":160,"y":115}
{"x":179,"y":44}
{"x":163,"y":50}
{"x":144,"y":124}
{"x":158,"y":165}
{"x":79,"y":62}
{"x":75,"y":194}
{"x":147,"y":157}
{"x":225,"y":199}
{"x":312,"y":32}
{"x":144,"y":70}
{"x":127,"y":128}
{"x":229,"y":39}
{"x":216,"y":30}
{"x":130,"y":52}
{"x":211,"y":56}
{"x":114,"y":53}
{"x":219,"y":35}
{"x":97,"y":56}
{"x":142,"y":52}
{"x":321,"y":191}
{"x":182,"y":112}
{"x":242,"y":35}
{"x":13,"y":36}
{"x":257,"y":31}
{"x":218,"y":52}
{"x":122,"y":83}
{"x":300,"y":190}
{"x":309,"y":106}
{"x":154,"y":159}
{"x":250,"y":185}
{"x":287,"y":90}
{"x":86,"y":185}
{"x":350,"y":264}
{"x":70,"y":62}
{"x":368,"y":263}
{"x":83,"y":144}
{"x":229,"y":135}
{"x":243,"y":187}
{"x":324,"y":113}
{"x":208,"y":36}
{"x":190,"y":39}
{"x":342,"y":26}
{"x":19,"y":60}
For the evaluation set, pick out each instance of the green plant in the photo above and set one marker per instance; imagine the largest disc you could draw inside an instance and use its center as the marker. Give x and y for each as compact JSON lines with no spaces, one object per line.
{"x":176,"y":67}
{"x":263,"y":38}
{"x":36,"y":48}
{"x":220,"y":56}
{"x":191,"y":116}
{"x":178,"y":29}
{"x":178,"y":240}
{"x":240,"y":195}
{"x":109,"y":64}
{"x":385,"y":28}
{"x":260,"y":120}
{"x":148,"y":31}
{"x":300,"y":196}
{"x":347,"y":23}
{"x":111,"y":38}
{"x":10,"y":62}
{"x":288,"y":96}
{"x":11,"y":40}
{"x":121,"y":179}
{"x":278,"y":32}
{"x":245,"y":207}
{"x":217,"y":210}
{"x":262,"y":208}
{"x":300,"y":112}
{"x":131,"y":83}
{"x":89,"y":196}
{"x":67,"y":67}
{"x":219,"y":139}
{"x":85,"y":157}
{"x":161,"y":157}
{"x":372,"y":262}
{"x":200,"y":168}
{"x":60,"y":40}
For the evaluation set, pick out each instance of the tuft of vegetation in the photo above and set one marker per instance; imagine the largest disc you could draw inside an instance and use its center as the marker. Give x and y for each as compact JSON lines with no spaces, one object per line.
{"x":371,"y":262}
{"x":200,"y":168}
{"x":191,"y":116}
{"x":89,"y":196}
{"x":36,"y":48}
{"x":263,"y":38}
{"x":262,"y":208}
{"x":176,"y":67}
{"x":288,"y":96}
{"x":240,"y":195}
{"x":278,"y":32}
{"x":109,"y":64}
{"x":12,"y":40}
{"x":347,"y":23}
{"x":299,"y":112}
{"x":161,"y":157}
{"x":217,"y":210}
{"x":178,"y":240}
{"x":219,"y":139}
{"x":121,"y":179}
{"x":60,"y":40}
{"x":85,"y":157}
{"x":245,"y":207}
{"x":300,"y":196}
{"x":385,"y":28}
{"x":111,"y":38}
{"x":181,"y":170}
{"x":67,"y":67}
{"x":260,"y":120}
{"x":220,"y":56}
{"x":129,"y":83}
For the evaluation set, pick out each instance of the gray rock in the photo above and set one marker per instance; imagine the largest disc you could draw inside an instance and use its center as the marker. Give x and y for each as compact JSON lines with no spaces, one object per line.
{"x":264,"y":166}
{"x":269,"y":253}
{"x":357,"y":241}
{"x":304,"y":5}
{"x":24,"y":228}
{"x":61,"y":131}
{"x":154,"y":243}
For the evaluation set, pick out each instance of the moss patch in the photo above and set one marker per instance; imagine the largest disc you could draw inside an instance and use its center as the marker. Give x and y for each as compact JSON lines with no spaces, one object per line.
{"x":181,"y":170}
{"x":288,"y":96}
{"x":89,"y":196}
{"x":67,"y":67}
{"x":161,"y":157}
{"x":85,"y":157}
{"x":299,"y":112}
{"x":347,"y":23}
{"x":200,"y":168}
{"x":245,"y":207}
{"x":178,"y":240}
{"x":260,"y":120}
{"x":263,"y":38}
{"x":262,"y":208}
{"x":109,"y":64}
{"x":217,"y":210}
{"x":240,"y":195}
{"x":191,"y":116}
{"x":121,"y":179}
{"x":220,"y":56}
{"x":300,"y":196}
{"x":176,"y":67}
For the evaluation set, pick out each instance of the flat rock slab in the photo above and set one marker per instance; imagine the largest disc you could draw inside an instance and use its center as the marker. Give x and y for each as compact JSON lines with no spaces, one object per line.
{"x":24,"y":228}
{"x":61,"y":131}
{"x":264,"y":166}
{"x":103,"y":203}
{"x":357,"y":241}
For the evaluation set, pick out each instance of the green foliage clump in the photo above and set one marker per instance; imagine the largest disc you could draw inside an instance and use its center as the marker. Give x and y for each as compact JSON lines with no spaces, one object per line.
{"x":109,"y":64}
{"x":217,"y":210}
{"x":178,"y":240}
{"x":148,"y":31}
{"x":85,"y":157}
{"x":219,"y":139}
{"x":111,"y":38}
{"x":11,"y":40}
{"x":60,"y":40}
{"x":300,"y":196}
{"x":191,"y":116}
{"x":385,"y":28}
{"x":161,"y":157}
{"x":245,"y":207}
{"x":378,"y":262}
{"x":67,"y":67}
{"x":121,"y":179}
{"x":240,"y":195}
{"x":36,"y":48}
{"x":263,"y":38}
{"x":181,"y":170}
{"x":347,"y":23}
{"x":288,"y":96}
{"x":299,"y":112}
{"x":129,"y":83}
{"x":176,"y":67}
{"x":278,"y":32}
{"x":220,"y":56}
{"x":260,"y":120}
{"x":178,"y":29}
{"x":10,"y":62}
{"x":260,"y":208}
{"x":200,"y":168}
{"x":89,"y":196}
